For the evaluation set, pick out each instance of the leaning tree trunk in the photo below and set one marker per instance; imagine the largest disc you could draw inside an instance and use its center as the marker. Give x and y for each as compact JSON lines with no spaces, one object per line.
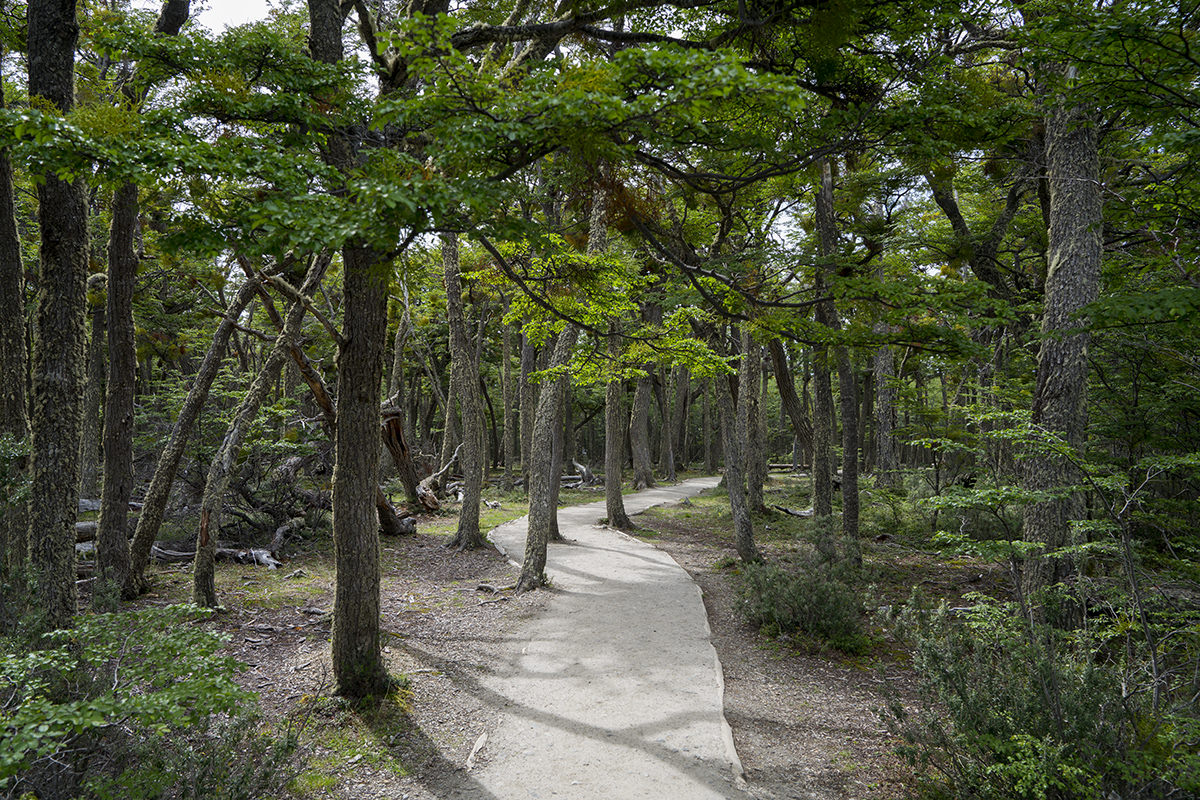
{"x":792,"y":405}
{"x":112,"y":537}
{"x":466,"y":371}
{"x":58,"y":335}
{"x":154,"y":503}
{"x":541,"y":457}
{"x":1072,"y":282}
{"x":14,"y":413}
{"x":220,"y":470}
{"x":735,"y":479}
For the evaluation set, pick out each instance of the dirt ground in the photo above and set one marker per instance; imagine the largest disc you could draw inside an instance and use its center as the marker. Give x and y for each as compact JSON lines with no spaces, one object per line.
{"x":806,"y":725}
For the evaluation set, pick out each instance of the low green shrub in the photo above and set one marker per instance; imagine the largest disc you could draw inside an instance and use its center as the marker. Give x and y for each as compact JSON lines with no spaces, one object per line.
{"x":131,"y":705}
{"x":1013,"y":710}
{"x":808,"y":597}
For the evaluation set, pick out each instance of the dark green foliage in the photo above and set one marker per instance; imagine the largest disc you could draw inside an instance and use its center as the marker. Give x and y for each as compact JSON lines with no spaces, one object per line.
{"x":1011,"y":709}
{"x":809,"y":596}
{"x":138,"y":704}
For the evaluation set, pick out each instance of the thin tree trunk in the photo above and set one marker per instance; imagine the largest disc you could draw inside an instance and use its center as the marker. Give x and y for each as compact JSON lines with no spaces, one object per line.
{"x":155,"y":502}
{"x":528,"y":403}
{"x":710,"y":456}
{"x":680,"y":416}
{"x":509,"y":413}
{"x":14,"y":412}
{"x":823,"y":430}
{"x":790,"y":401}
{"x":450,"y":439}
{"x":58,"y":335}
{"x":221,"y":468}
{"x":735,"y":479}
{"x":885,"y":415}
{"x":112,"y":538}
{"x":614,"y":437}
{"x":666,"y":444}
{"x":466,"y":371}
{"x":639,"y":434}
{"x":749,"y":421}
{"x":847,"y":384}
{"x":93,"y":395}
{"x":542,"y":510}
{"x":1074,"y":253}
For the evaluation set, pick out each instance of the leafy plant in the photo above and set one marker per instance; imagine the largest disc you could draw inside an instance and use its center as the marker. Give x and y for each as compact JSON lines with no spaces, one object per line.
{"x":153,"y":680}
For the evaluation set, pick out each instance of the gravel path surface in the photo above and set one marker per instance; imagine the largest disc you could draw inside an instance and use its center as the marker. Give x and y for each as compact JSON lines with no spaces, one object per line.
{"x":615,"y":691}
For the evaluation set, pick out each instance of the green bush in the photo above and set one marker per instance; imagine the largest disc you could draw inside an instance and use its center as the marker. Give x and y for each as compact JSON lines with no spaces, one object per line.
{"x":1010,"y":709}
{"x":808,"y":598}
{"x":139,"y":682}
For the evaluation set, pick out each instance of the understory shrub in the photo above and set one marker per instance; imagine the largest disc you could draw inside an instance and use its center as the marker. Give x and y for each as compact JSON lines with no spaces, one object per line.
{"x":808,"y":597}
{"x":1012,"y":709}
{"x":139,"y":704}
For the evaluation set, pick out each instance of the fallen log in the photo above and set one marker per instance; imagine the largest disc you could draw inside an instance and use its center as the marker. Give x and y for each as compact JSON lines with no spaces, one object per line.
{"x":247,"y":555}
{"x":805,"y":514}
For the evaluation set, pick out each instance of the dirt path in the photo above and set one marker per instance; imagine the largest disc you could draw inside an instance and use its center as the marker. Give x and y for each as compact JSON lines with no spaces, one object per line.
{"x":615,"y":691}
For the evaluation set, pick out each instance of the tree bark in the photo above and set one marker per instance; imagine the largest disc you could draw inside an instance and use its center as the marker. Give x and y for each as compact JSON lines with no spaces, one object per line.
{"x":680,"y":414}
{"x":14,"y":411}
{"x":508,"y":413}
{"x":710,"y":456}
{"x":614,"y":438}
{"x":666,"y":443}
{"x":823,"y":429}
{"x":58,"y":331}
{"x":786,"y":385}
{"x":93,"y":393}
{"x":1074,"y":254}
{"x":639,"y":432}
{"x":749,"y":421}
{"x":357,"y":659}
{"x":735,"y":479}
{"x":466,"y":370}
{"x":885,"y":417}
{"x":112,"y":539}
{"x":541,"y":456}
{"x":528,"y":403}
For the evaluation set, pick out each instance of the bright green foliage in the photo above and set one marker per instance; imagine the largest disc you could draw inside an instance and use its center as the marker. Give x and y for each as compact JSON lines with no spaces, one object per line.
{"x":157,"y":671}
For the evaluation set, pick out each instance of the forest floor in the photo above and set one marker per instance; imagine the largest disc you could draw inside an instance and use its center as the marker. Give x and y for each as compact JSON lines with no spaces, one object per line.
{"x":806,"y":721}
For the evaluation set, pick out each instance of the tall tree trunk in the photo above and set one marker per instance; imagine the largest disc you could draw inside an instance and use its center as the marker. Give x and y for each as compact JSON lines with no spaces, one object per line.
{"x":357,"y":659}
{"x":450,"y":439}
{"x":155,"y":502}
{"x":528,"y":403}
{"x":614,"y":437}
{"x":542,"y":511}
{"x":466,"y":369}
{"x":509,"y":413}
{"x":639,"y":433}
{"x":1072,"y":281}
{"x":14,"y":411}
{"x":680,"y":415}
{"x":735,"y":478}
{"x":94,"y":386}
{"x":749,"y":421}
{"x":710,"y":456}
{"x":58,"y":331}
{"x":112,"y":538}
{"x":823,"y":430}
{"x":666,"y":443}
{"x":886,"y":462}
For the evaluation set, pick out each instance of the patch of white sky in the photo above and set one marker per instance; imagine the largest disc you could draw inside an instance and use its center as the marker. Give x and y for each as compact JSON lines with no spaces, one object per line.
{"x":217,"y":15}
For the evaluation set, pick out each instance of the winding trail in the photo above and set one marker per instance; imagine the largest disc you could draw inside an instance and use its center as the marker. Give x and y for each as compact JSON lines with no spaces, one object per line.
{"x":617,"y":692}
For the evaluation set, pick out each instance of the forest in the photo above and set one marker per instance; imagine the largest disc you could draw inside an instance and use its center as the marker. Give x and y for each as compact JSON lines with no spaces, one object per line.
{"x":915,"y":278}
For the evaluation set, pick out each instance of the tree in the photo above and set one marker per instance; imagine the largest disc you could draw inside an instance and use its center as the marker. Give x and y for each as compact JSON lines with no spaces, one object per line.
{"x":466,"y":368}
{"x":58,"y":329}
